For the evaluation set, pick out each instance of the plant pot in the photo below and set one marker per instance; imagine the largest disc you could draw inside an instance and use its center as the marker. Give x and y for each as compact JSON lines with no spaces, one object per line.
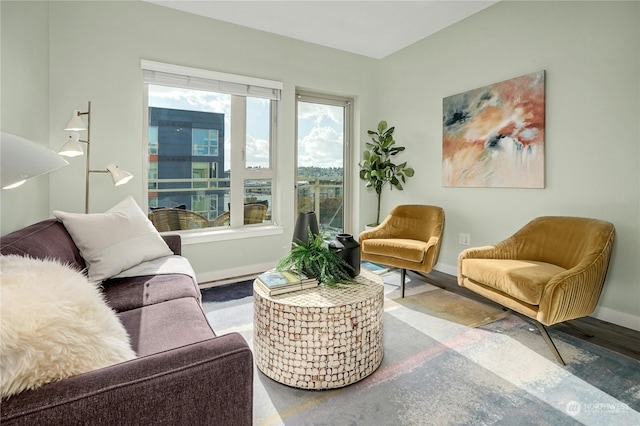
{"x":348,"y":249}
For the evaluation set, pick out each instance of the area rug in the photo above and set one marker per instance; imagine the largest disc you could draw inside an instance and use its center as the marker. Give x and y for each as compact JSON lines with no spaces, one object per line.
{"x":445,"y":305}
{"x":451,"y":362}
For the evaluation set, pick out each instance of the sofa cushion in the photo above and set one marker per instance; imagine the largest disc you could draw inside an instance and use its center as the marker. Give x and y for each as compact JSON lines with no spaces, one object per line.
{"x":116,"y":240}
{"x":167,"y":325}
{"x":524,"y":280}
{"x":43,"y":240}
{"x":54,"y":324}
{"x":124,"y":294}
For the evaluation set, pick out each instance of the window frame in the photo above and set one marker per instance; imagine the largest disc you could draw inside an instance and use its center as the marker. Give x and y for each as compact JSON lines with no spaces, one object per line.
{"x":349,"y":166}
{"x":239,"y":172}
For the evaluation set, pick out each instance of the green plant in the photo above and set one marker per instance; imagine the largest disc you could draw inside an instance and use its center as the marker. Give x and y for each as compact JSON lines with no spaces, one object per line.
{"x":315,"y":260}
{"x":377,"y":168}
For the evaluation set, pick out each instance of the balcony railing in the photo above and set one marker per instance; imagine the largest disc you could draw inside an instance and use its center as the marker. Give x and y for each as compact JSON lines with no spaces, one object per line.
{"x":314,"y":194}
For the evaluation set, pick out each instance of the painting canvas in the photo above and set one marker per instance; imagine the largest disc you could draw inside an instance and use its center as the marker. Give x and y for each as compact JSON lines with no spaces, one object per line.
{"x":494,"y":136}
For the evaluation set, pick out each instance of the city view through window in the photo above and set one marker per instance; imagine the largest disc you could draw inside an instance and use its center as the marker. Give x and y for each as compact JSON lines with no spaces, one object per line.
{"x":190,"y":165}
{"x":320,"y":160}
{"x":190,"y":161}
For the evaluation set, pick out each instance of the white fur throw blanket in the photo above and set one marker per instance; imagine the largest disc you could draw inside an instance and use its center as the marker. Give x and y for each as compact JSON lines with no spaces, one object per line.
{"x":54,"y":324}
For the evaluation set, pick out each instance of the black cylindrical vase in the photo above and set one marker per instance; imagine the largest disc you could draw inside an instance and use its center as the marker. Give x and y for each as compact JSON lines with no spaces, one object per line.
{"x":306,"y":221}
{"x":347,"y":248}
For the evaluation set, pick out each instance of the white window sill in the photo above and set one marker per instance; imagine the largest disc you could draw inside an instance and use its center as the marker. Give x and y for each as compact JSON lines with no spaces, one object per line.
{"x":207,"y":236}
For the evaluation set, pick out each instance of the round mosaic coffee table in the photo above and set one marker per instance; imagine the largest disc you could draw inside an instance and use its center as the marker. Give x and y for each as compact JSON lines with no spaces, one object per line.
{"x":320,"y":338}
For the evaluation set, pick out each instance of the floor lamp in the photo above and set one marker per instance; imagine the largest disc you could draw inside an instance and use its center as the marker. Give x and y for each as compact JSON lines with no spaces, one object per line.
{"x":72,"y":148}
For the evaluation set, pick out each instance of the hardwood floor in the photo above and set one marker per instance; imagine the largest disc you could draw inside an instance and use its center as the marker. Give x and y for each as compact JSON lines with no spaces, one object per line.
{"x":611,"y":336}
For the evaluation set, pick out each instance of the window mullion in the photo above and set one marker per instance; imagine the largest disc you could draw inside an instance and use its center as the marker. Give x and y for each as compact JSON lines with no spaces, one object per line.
{"x":237,"y":142}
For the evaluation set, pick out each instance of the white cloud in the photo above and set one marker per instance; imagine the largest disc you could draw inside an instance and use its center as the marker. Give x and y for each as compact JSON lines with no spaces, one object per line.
{"x":320,"y":112}
{"x":257,"y":152}
{"x":321,"y":147}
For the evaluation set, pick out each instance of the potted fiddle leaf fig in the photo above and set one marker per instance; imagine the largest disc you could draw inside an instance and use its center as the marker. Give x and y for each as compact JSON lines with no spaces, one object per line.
{"x":377,"y":167}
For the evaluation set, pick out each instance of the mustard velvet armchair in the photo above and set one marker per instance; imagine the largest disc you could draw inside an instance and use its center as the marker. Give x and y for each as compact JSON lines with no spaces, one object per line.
{"x":408,"y":238}
{"x":551,"y":270}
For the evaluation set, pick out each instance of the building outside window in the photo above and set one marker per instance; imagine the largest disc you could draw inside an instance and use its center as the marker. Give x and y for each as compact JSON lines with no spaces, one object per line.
{"x":184,"y":159}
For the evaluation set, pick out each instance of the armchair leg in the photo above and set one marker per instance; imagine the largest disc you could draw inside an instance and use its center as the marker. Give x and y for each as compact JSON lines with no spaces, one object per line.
{"x":552,"y":346}
{"x":403,"y":275}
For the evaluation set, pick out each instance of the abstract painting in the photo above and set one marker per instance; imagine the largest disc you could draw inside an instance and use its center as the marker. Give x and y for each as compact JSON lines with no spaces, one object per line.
{"x":494,"y":136}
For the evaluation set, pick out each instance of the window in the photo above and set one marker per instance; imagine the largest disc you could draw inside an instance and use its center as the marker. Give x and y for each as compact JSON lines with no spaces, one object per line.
{"x":324,"y":165}
{"x":153,"y":178}
{"x":211,"y":138}
{"x":205,"y":205}
{"x":153,"y":140}
{"x":204,"y":142}
{"x":203,"y":175}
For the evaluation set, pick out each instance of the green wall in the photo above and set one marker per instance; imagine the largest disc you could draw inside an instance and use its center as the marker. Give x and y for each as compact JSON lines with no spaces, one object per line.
{"x":24,"y":107}
{"x":591,"y":53}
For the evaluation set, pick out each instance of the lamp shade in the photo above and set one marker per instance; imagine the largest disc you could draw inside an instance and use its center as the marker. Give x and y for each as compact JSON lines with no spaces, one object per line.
{"x":23,"y":159}
{"x":75,"y":123}
{"x":120,"y":177}
{"x":72,"y":147}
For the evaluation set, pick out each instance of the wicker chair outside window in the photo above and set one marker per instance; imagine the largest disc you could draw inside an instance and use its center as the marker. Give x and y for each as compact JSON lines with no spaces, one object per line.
{"x":177,"y":219}
{"x":253,"y":213}
{"x":222,"y":219}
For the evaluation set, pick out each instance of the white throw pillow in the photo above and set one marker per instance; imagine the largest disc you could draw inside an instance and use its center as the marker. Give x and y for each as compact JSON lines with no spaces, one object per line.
{"x":54,"y":324}
{"x":114,"y":241}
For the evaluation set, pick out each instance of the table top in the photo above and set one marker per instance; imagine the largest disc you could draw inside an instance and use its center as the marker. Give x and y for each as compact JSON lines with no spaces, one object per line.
{"x":367,"y":284}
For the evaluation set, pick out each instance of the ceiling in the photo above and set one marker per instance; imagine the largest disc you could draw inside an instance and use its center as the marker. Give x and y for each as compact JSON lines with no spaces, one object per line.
{"x":370,"y":28}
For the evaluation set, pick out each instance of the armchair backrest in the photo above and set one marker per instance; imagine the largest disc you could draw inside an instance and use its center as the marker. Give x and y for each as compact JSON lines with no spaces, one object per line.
{"x":413,"y":221}
{"x":564,"y":241}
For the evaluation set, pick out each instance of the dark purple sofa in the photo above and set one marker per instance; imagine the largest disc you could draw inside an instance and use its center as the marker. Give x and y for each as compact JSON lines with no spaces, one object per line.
{"x":184,"y":374}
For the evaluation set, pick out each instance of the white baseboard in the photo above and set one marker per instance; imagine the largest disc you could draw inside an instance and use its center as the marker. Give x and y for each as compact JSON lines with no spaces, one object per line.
{"x":446,"y":269}
{"x":615,"y":317}
{"x":226,"y":276}
{"x":605,"y":314}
